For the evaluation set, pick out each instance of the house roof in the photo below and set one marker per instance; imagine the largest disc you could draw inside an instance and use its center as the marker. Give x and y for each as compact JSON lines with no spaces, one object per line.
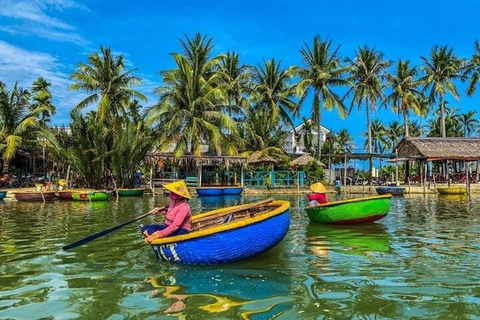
{"x":194,"y":160}
{"x":305,"y":159}
{"x":258,"y":157}
{"x":431,"y":149}
{"x":300,"y":126}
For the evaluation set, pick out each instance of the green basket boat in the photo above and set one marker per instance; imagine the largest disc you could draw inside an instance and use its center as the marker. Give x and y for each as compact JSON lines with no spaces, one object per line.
{"x":92,"y":195}
{"x":130,"y":192}
{"x":351,"y":211}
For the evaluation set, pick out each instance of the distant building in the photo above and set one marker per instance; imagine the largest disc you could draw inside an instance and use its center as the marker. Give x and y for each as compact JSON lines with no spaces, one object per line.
{"x":295,"y":144}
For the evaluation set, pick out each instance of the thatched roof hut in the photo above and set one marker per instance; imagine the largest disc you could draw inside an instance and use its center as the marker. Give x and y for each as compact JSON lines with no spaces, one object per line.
{"x":187,"y":160}
{"x":432,"y":149}
{"x":258,"y":157}
{"x":304,"y":159}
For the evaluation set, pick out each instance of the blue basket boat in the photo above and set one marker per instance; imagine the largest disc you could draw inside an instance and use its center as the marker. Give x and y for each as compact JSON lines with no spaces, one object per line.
{"x":3,"y":194}
{"x":219,"y":191}
{"x":232,"y":191}
{"x":227,"y":235}
{"x":209,"y":191}
{"x":395,"y":191}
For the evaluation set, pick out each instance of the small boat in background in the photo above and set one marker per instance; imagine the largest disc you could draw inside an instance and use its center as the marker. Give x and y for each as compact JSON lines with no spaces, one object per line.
{"x":67,"y":194}
{"x":351,"y":211}
{"x":452,"y":190}
{"x":395,"y":191}
{"x":3,"y":194}
{"x":95,"y":195}
{"x":130,"y":192}
{"x":215,"y":191}
{"x":228,"y":234}
{"x":34,"y":195}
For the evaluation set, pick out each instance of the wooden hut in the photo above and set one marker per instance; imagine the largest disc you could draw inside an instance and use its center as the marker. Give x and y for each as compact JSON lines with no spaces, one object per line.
{"x":195,"y":165}
{"x":441,"y":149}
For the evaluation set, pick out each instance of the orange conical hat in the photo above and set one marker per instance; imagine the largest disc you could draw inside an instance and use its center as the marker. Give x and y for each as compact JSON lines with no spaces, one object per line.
{"x":180,"y":188}
{"x":318,"y":187}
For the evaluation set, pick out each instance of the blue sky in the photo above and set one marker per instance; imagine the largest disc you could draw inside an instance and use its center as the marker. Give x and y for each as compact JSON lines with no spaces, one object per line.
{"x":49,"y":37}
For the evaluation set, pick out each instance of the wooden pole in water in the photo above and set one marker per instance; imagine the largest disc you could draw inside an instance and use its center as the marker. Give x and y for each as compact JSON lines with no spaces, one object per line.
{"x":424,"y":177}
{"x":467,"y":171}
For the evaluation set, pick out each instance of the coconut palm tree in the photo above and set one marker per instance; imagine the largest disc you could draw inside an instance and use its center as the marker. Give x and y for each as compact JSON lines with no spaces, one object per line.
{"x":235,"y":78}
{"x":441,"y":69}
{"x":453,"y":126}
{"x":107,"y":82}
{"x":405,"y":94}
{"x":322,"y":72}
{"x":422,"y":109}
{"x":379,"y":136}
{"x":394,"y":133}
{"x":42,"y":98}
{"x":366,"y":75}
{"x":414,"y":128}
{"x":472,"y":70}
{"x":192,"y":110}
{"x":469,"y":122}
{"x":307,"y":135}
{"x":344,"y":141}
{"x":273,"y":93}
{"x":16,"y":121}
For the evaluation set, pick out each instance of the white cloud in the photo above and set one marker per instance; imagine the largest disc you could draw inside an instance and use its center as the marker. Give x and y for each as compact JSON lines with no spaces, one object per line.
{"x":32,"y":18}
{"x":24,"y":67}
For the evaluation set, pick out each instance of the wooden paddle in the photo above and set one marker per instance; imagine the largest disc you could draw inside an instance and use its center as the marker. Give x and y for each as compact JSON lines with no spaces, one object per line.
{"x":104,"y":232}
{"x":241,"y":208}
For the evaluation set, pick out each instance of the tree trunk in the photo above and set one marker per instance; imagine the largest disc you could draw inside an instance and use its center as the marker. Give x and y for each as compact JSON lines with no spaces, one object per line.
{"x":405,"y":121}
{"x":442,"y":115}
{"x":319,"y":129}
{"x":6,"y":166}
{"x":369,"y":126}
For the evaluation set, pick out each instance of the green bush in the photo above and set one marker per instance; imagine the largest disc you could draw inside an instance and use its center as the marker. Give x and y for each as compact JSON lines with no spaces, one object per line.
{"x":314,"y":172}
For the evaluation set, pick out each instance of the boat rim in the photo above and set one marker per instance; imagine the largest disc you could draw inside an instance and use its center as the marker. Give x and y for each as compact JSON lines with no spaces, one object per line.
{"x":283,"y":206}
{"x":333,"y":203}
{"x":36,"y":192}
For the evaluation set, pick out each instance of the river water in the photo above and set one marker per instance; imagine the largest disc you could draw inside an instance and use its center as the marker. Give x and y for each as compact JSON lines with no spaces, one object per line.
{"x":421,"y":261}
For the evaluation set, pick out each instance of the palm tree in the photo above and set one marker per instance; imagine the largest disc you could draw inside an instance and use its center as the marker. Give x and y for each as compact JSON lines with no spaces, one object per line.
{"x":414,"y":129}
{"x":453,"y":126}
{"x":307,"y":135}
{"x":365,"y":73}
{"x":422,"y":109}
{"x":107,"y":82}
{"x":192,"y":107}
{"x":236,"y":78}
{"x":404,"y":94}
{"x":16,"y":121}
{"x":379,"y":136}
{"x":42,"y":98}
{"x":344,"y":141}
{"x":394,"y":133}
{"x":322,"y":72}
{"x":273,"y":93}
{"x":441,"y":70}
{"x":469,"y":122}
{"x":472,"y":70}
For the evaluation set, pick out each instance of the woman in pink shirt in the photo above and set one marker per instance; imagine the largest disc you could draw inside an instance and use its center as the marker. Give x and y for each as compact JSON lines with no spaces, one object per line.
{"x":178,"y":216}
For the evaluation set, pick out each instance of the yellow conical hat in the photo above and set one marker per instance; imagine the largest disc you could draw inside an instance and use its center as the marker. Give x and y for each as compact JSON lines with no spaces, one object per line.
{"x":180,"y":188}
{"x":318,"y":187}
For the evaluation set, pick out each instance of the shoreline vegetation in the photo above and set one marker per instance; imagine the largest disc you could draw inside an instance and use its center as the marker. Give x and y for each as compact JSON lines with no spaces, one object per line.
{"x":231,"y":108}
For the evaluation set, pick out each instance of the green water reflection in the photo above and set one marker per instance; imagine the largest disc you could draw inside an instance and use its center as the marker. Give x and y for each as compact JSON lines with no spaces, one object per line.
{"x":419,"y":262}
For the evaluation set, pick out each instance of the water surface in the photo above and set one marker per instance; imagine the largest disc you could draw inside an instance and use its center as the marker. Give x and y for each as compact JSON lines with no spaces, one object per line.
{"x":421,"y":262}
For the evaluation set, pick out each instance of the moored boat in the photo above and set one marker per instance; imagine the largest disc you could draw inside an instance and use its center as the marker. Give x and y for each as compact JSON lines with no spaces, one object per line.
{"x":216,"y":191}
{"x":232,"y":191}
{"x":351,"y":211}
{"x":130,"y":192}
{"x":95,"y":195}
{"x":228,"y":234}
{"x":34,"y":195}
{"x":3,"y":194}
{"x":452,"y":190}
{"x":395,"y":191}
{"x":67,"y":194}
{"x":209,"y":191}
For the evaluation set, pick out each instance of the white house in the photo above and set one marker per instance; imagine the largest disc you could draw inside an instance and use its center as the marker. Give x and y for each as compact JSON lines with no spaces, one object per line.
{"x":294,"y":143}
